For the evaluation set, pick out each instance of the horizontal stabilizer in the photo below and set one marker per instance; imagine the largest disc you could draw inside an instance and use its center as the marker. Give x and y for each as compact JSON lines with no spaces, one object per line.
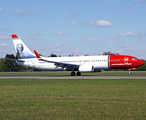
{"x":14,"y":59}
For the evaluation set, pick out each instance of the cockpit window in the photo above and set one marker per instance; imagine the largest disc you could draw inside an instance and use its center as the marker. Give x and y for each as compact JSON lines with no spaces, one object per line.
{"x":134,"y":59}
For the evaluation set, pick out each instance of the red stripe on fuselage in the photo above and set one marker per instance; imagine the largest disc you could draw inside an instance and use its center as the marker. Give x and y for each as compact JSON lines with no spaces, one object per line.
{"x":123,"y":62}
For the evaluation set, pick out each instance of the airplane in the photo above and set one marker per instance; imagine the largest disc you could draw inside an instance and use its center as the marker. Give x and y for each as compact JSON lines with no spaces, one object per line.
{"x":77,"y":63}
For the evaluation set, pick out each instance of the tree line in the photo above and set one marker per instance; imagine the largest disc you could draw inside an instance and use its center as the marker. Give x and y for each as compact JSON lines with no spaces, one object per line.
{"x":12,"y":66}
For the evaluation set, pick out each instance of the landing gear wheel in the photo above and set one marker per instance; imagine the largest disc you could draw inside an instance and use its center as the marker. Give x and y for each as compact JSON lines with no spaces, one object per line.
{"x":78,"y":73}
{"x":72,"y":73}
{"x":129,"y":72}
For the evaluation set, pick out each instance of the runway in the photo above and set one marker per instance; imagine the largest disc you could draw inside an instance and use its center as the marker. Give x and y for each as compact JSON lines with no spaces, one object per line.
{"x":73,"y":77}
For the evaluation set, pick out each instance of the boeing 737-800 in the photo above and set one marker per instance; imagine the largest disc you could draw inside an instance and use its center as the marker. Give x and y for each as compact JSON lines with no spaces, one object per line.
{"x":79,"y":64}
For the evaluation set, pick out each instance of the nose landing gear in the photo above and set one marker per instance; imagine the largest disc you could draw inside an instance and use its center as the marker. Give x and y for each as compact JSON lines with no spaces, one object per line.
{"x":131,"y":69}
{"x":129,"y":72}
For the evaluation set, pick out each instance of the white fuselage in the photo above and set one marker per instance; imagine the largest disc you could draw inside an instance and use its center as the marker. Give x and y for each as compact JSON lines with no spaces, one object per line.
{"x":98,"y":62}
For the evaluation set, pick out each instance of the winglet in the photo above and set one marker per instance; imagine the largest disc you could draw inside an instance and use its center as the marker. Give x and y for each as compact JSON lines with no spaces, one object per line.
{"x":15,"y":36}
{"x":36,"y":54}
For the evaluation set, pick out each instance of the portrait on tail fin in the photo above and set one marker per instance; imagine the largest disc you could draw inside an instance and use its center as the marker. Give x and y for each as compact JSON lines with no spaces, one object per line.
{"x":19,"y":53}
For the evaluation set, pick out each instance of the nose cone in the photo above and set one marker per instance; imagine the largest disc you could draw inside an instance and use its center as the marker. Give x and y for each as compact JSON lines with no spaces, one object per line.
{"x":141,"y":63}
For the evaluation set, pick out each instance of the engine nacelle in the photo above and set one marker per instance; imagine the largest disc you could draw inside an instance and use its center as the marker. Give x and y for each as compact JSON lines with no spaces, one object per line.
{"x":86,"y":68}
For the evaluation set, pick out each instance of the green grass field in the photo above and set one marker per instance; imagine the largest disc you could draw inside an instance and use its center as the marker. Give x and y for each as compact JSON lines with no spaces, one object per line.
{"x":48,"y":73}
{"x":72,"y":99}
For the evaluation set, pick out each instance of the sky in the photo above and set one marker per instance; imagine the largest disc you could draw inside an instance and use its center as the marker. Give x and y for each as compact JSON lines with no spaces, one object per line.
{"x":65,"y":27}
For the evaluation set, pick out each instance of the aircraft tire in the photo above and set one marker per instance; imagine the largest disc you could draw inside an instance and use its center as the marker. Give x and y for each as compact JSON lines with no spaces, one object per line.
{"x":72,"y":73}
{"x":78,"y":73}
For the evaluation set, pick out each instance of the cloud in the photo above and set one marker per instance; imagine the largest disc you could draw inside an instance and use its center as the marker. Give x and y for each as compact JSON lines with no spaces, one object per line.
{"x":119,"y":51}
{"x":3,"y":29}
{"x":35,"y":38}
{"x":4,"y":37}
{"x":36,"y":34}
{"x":115,"y":38}
{"x":130,"y":34}
{"x":38,"y":11}
{"x":66,"y":48}
{"x":105,"y":3}
{"x":56,"y":45}
{"x":139,"y":0}
{"x":3,"y":45}
{"x":60,"y":34}
{"x":1,"y":10}
{"x":91,"y":23}
{"x":20,"y":12}
{"x":126,"y":45}
{"x":102,"y":23}
{"x":70,"y":48}
{"x":89,"y":39}
{"x":75,"y":23}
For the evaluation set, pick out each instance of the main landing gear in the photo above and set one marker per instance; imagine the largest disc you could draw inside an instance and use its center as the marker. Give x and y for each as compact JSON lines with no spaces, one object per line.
{"x":73,"y":73}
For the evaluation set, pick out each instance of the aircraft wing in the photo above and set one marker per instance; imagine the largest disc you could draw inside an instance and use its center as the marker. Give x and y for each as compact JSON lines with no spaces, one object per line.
{"x":58,"y":64}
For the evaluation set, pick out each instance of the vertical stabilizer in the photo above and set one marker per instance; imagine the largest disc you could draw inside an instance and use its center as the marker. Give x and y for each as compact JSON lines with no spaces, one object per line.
{"x":22,"y":51}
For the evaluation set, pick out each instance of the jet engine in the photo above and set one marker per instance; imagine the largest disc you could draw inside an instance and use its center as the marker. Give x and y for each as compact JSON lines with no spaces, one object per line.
{"x":86,"y":68}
